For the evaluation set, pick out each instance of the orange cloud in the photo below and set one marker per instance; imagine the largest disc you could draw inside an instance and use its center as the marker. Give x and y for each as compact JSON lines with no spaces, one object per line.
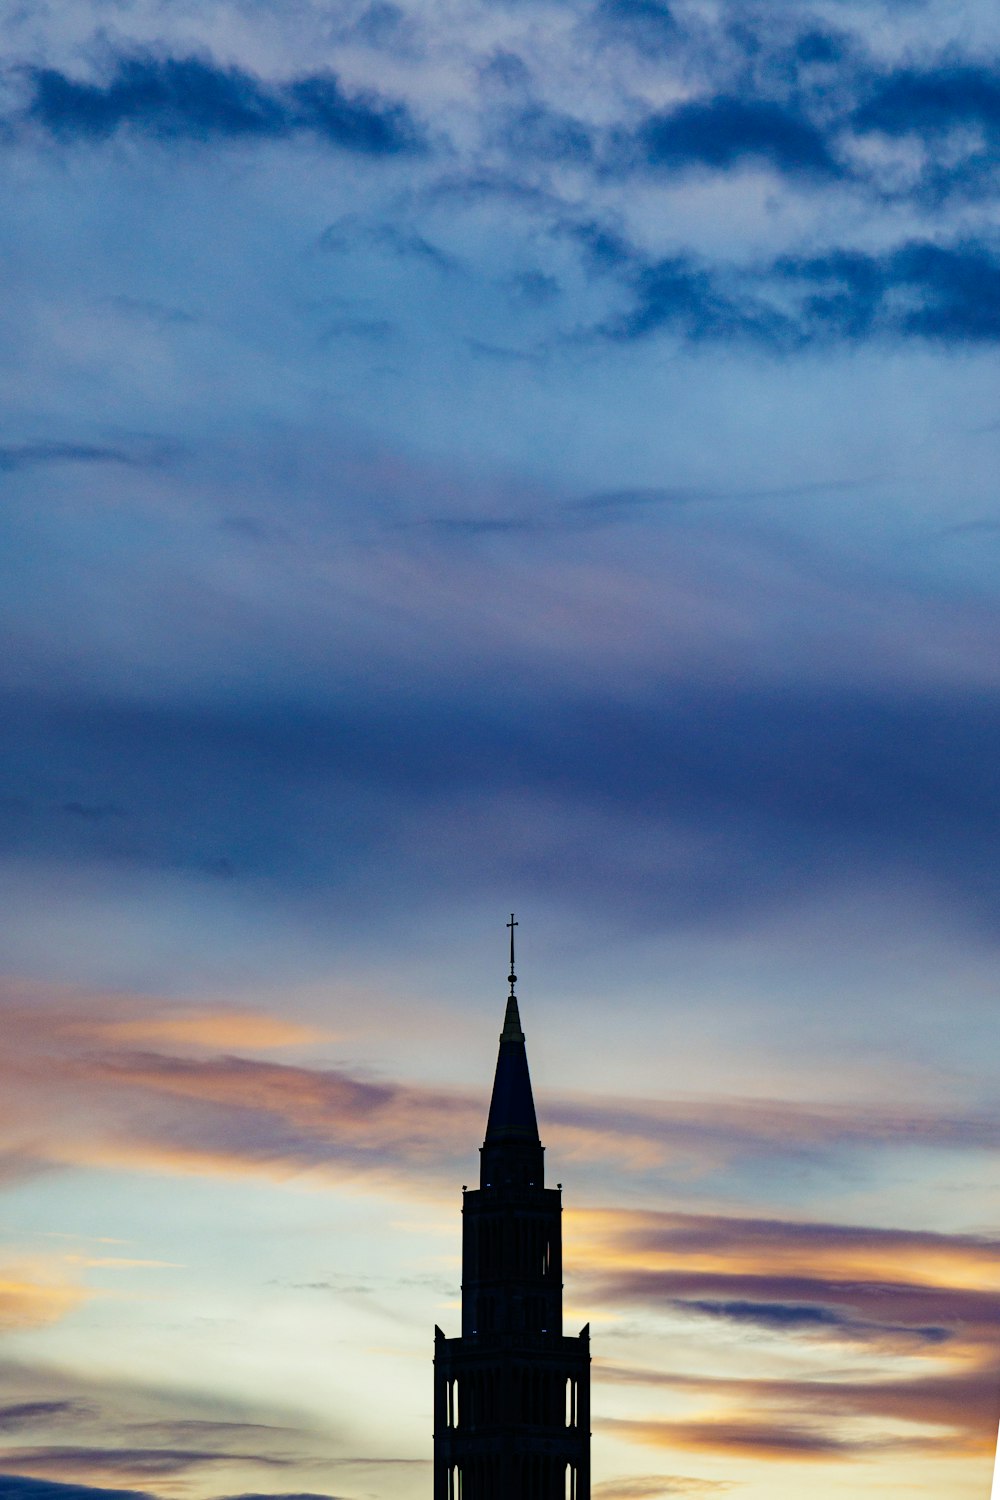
{"x":240,"y":1030}
{"x":132,"y":1082}
{"x":33,"y":1296}
{"x":927,"y":1302}
{"x":108,"y":1078}
{"x":656,"y":1487}
{"x":78,"y":1092}
{"x":745,"y":1439}
{"x":647,"y":1241}
{"x":964,"y":1400}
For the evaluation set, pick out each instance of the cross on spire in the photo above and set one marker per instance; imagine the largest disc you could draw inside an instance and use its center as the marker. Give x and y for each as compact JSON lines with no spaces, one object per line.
{"x":512,"y":977}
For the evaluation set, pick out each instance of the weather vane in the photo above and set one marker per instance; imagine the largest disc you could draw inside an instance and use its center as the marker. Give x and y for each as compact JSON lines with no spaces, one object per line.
{"x":512,"y":977}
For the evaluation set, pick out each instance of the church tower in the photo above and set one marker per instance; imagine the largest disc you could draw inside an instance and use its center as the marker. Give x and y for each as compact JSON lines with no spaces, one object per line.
{"x":512,"y":1395}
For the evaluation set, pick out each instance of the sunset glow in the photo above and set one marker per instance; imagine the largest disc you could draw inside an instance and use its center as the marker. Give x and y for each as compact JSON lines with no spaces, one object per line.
{"x":530,"y":454}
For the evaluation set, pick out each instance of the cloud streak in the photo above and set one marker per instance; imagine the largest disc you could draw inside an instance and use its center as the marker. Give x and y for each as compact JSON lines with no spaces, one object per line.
{"x":923,"y":1300}
{"x":74,"y":1064}
{"x":17,"y":456}
{"x":805,"y":779}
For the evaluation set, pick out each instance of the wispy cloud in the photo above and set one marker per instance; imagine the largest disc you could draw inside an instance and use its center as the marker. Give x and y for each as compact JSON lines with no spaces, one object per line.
{"x":29,"y":1413}
{"x":131,"y":1463}
{"x":653,"y":1486}
{"x":954,"y":1411}
{"x":16,"y":456}
{"x":191,"y":1108}
{"x":929,"y":1302}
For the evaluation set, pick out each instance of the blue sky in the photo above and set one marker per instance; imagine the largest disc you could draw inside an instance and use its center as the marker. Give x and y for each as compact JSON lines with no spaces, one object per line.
{"x":470,"y":456}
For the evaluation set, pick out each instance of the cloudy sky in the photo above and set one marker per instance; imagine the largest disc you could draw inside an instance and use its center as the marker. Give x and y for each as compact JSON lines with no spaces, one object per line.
{"x":464,"y":455}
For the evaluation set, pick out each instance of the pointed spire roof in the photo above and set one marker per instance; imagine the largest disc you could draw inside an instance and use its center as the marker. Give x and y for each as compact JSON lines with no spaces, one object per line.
{"x":512,"y":1108}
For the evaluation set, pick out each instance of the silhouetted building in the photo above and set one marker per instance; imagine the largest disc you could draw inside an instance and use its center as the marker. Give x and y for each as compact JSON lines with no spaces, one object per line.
{"x":512,"y":1395}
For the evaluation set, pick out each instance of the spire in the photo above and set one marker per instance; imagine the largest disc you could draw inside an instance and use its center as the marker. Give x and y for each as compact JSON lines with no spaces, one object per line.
{"x":512,"y":1021}
{"x":512,"y":1108}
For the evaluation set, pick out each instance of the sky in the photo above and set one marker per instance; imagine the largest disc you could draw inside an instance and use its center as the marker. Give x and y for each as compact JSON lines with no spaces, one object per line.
{"x":461,"y":457}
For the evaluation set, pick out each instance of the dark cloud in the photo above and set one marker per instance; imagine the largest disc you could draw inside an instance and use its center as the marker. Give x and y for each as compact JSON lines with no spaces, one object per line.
{"x":148,"y":1463}
{"x":933,"y":101}
{"x":790,"y":97}
{"x":167,"y":97}
{"x":284,"y":1495}
{"x":20,"y":1487}
{"x":723,"y":132}
{"x":710,"y":1234}
{"x":797,"y":100}
{"x":192,"y":98}
{"x":803,"y":1317}
{"x":687,"y":299}
{"x":364,"y":123}
{"x":891,"y":1304}
{"x":942,"y":294}
{"x":801,"y":780}
{"x":15,"y":456}
{"x":27,"y":1413}
{"x":823,"y":47}
{"x":946,"y":294}
{"x":787,"y":1315}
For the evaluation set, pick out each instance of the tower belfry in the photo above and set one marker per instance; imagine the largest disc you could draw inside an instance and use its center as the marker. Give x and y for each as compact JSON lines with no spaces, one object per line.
{"x":512,"y":1394}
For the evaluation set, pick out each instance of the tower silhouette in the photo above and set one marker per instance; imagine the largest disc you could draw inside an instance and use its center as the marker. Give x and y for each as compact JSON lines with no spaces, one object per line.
{"x":512,"y":1394}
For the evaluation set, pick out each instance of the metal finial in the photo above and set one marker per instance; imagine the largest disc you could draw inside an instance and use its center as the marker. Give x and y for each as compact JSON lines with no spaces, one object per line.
{"x":512,"y":977}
